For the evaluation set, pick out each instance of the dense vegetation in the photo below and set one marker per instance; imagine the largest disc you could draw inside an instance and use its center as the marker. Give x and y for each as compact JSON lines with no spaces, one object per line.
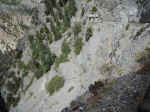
{"x":7,"y":60}
{"x":62,"y":19}
{"x":42,"y":58}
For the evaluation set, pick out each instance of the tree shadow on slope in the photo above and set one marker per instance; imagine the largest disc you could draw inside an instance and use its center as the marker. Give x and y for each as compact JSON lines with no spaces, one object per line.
{"x":3,"y":107}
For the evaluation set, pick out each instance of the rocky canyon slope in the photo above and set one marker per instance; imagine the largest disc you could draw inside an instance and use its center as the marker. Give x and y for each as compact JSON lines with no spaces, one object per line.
{"x":53,"y":50}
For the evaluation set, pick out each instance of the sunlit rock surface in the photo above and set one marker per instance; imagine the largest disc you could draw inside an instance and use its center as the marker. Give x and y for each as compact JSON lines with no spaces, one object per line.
{"x":109,"y":54}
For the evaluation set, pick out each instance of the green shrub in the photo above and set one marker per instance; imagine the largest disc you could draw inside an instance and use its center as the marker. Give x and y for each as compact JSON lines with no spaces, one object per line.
{"x":49,"y":4}
{"x":69,"y":11}
{"x":45,"y":34}
{"x":94,"y":9}
{"x":60,"y":59}
{"x":46,"y":59}
{"x":25,"y":73}
{"x":21,"y":64}
{"x":55,"y":84}
{"x":78,"y":46}
{"x":38,"y":73}
{"x":42,"y":57}
{"x":53,"y":28}
{"x":70,"y":89}
{"x":65,"y":49}
{"x":31,"y":65}
{"x":57,"y":34}
{"x":63,"y":27}
{"x":50,"y":37}
{"x":56,"y":31}
{"x":66,"y":17}
{"x":77,"y":28}
{"x":89,"y":33}
{"x":89,"y":0}
{"x":72,"y":8}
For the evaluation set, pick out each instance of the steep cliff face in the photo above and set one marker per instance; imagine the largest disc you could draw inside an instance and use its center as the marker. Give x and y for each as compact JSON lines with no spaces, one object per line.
{"x":145,"y":11}
{"x":3,"y":107}
{"x":57,"y":48}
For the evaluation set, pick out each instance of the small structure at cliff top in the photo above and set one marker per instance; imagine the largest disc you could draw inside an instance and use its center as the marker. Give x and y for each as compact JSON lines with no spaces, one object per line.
{"x":94,"y":18}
